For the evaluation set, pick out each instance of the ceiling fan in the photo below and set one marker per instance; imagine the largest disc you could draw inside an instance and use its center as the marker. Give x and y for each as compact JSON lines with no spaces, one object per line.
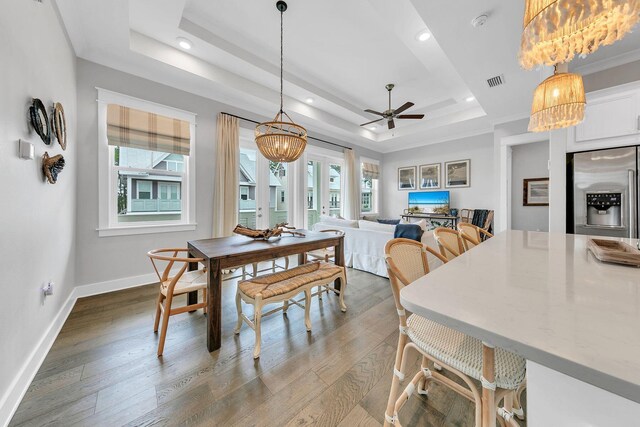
{"x":391,"y":114}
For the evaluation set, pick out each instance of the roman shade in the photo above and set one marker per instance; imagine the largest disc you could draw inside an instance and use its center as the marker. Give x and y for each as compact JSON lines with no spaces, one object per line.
{"x":370,"y":171}
{"x":131,"y":128}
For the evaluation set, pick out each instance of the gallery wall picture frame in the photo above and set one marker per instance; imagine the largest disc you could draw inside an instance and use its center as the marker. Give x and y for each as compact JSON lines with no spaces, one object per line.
{"x":535,"y":192}
{"x":458,"y":173}
{"x":429,"y":176}
{"x":407,"y":178}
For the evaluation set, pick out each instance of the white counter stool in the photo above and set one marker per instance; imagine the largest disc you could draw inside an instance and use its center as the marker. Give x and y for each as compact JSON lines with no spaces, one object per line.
{"x":453,"y":351}
{"x":181,"y":283}
{"x":449,"y":242}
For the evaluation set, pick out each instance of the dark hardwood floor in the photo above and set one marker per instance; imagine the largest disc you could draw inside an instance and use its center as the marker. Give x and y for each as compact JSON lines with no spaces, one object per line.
{"x":103,"y":369}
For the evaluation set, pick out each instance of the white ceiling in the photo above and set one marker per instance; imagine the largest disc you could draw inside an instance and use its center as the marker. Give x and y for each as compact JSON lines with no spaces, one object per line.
{"x":340,"y":53}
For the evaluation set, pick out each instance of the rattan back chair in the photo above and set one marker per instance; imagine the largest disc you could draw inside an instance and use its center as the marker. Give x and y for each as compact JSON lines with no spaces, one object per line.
{"x":477,"y":233}
{"x":449,"y":242}
{"x":449,"y":349}
{"x":182,"y":282}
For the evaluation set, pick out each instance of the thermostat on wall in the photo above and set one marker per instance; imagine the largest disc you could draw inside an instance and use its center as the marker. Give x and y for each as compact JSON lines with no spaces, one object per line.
{"x":26,"y":150}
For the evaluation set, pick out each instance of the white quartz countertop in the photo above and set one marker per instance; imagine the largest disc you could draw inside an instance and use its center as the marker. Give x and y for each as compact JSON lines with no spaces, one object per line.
{"x":546,"y":297}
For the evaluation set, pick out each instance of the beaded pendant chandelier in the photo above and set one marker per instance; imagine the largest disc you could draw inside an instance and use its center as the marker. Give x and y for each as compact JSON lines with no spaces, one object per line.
{"x":558,"y":102}
{"x":557,"y":30}
{"x":281,"y":140}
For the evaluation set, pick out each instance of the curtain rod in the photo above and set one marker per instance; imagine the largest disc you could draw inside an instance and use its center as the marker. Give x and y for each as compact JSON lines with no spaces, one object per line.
{"x":311,"y":137}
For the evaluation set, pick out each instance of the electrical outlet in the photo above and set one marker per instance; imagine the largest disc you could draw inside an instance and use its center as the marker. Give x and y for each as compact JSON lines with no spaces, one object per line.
{"x":47,"y":289}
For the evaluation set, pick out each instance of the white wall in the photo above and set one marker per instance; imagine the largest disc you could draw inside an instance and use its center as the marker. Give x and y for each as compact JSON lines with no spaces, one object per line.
{"x":37,"y":220}
{"x":480,"y":195}
{"x":110,"y":258}
{"x":528,"y":161}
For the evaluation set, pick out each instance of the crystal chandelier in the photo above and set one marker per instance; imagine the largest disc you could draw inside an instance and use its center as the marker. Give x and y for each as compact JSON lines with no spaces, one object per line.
{"x":557,"y":30}
{"x":281,"y":140}
{"x":558,"y":102}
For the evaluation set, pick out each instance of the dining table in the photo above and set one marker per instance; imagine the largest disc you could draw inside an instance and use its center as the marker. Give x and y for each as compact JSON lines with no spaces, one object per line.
{"x":546,"y":297}
{"x":235,"y":251}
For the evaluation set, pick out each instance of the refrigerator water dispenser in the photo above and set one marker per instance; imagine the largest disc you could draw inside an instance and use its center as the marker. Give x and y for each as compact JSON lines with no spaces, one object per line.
{"x":604,"y":209}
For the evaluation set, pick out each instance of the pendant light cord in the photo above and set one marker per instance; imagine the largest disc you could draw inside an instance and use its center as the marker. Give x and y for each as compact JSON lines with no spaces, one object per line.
{"x":281,"y":58}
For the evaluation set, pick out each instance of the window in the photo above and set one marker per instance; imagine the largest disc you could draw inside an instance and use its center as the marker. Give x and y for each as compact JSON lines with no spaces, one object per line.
{"x":146,"y":168}
{"x":370,"y":175}
{"x":244,"y":193}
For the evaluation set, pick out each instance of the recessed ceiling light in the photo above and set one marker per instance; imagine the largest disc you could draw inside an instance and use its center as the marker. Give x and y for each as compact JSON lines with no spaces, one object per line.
{"x":374,"y":127}
{"x":184,"y":43}
{"x":309,"y":100}
{"x":423,"y":36}
{"x":470,"y":98}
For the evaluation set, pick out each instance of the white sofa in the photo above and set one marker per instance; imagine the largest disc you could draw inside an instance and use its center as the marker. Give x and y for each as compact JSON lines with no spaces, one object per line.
{"x":364,"y":243}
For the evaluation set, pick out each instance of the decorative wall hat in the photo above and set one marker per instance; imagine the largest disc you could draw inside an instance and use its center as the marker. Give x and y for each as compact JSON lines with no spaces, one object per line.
{"x":59,"y":125}
{"x":40,"y":120}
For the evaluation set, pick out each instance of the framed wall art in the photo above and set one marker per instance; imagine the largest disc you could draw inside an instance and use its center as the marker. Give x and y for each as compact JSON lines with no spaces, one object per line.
{"x":535,"y":192}
{"x":458,"y":173}
{"x":407,"y":178}
{"x":430,"y":176}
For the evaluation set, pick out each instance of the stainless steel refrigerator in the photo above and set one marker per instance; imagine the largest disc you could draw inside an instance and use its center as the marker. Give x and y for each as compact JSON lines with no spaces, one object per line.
{"x":605,"y":192}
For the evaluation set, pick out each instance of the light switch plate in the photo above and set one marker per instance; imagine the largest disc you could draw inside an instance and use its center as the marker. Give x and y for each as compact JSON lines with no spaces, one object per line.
{"x":26,"y":150}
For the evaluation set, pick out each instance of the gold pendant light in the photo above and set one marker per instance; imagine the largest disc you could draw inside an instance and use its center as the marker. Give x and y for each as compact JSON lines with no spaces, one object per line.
{"x":280,"y":140}
{"x":557,"y":30}
{"x":558,"y":102}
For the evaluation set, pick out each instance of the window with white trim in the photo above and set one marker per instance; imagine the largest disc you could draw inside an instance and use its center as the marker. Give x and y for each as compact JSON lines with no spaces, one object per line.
{"x":146,"y":154}
{"x":369,"y":182}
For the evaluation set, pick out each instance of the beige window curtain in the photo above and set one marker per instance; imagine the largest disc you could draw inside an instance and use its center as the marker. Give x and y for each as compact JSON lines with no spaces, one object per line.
{"x":225,"y":196}
{"x":352,"y":186}
{"x":370,"y":171}
{"x":131,"y":128}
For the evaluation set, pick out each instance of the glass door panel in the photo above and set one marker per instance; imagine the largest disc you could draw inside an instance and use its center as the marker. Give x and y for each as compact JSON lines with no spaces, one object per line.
{"x":278,"y":193}
{"x":335,"y":189}
{"x":314,"y":201}
{"x":247,"y":201}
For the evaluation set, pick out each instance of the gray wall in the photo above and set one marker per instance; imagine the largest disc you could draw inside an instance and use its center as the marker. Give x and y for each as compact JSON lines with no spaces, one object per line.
{"x":480,"y":195}
{"x":109,"y":258}
{"x":37,"y":220}
{"x":615,"y":76}
{"x":528,"y":161}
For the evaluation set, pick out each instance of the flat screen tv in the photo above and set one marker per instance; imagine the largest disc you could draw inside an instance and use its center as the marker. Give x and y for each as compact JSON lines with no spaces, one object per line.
{"x":430,"y":201}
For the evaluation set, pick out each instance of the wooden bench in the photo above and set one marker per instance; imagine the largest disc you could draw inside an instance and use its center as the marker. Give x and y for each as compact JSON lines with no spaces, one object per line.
{"x":283,"y":287}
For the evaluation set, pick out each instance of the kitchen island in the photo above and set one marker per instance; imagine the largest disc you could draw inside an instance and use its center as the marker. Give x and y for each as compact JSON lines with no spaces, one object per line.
{"x":545,"y":297}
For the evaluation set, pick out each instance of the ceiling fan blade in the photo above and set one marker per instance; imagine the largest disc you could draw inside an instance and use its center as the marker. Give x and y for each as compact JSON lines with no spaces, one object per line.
{"x":391,"y":124}
{"x":406,"y":106}
{"x":410,"y":116}
{"x":373,"y":121}
{"x":374,"y":112}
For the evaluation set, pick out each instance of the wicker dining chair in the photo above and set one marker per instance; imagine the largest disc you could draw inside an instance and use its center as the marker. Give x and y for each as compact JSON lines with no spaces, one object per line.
{"x":324,"y":254}
{"x":449,"y":242}
{"x":180,"y":283}
{"x":450,"y":350}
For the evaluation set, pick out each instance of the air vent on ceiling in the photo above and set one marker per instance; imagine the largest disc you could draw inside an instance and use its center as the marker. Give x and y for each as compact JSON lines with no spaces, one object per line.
{"x":496,"y":81}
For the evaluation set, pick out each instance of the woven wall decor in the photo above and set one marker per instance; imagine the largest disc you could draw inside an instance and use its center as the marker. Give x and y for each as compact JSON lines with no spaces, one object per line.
{"x":59,"y":125}
{"x":52,"y":166}
{"x":40,"y":120}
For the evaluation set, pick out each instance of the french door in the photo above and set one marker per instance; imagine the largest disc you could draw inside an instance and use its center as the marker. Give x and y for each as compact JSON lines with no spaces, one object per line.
{"x":324,"y":187}
{"x":264,"y":189}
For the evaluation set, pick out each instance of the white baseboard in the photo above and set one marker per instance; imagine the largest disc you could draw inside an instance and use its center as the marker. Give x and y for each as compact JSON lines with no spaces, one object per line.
{"x":11,"y":399}
{"x":115,"y":285}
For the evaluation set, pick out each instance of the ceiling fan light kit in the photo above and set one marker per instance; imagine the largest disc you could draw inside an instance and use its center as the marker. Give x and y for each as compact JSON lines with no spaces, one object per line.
{"x":281,"y":140}
{"x":558,"y":102}
{"x":557,"y":30}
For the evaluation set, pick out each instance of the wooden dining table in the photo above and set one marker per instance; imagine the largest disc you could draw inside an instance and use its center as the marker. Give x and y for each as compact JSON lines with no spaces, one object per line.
{"x":236,"y":251}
